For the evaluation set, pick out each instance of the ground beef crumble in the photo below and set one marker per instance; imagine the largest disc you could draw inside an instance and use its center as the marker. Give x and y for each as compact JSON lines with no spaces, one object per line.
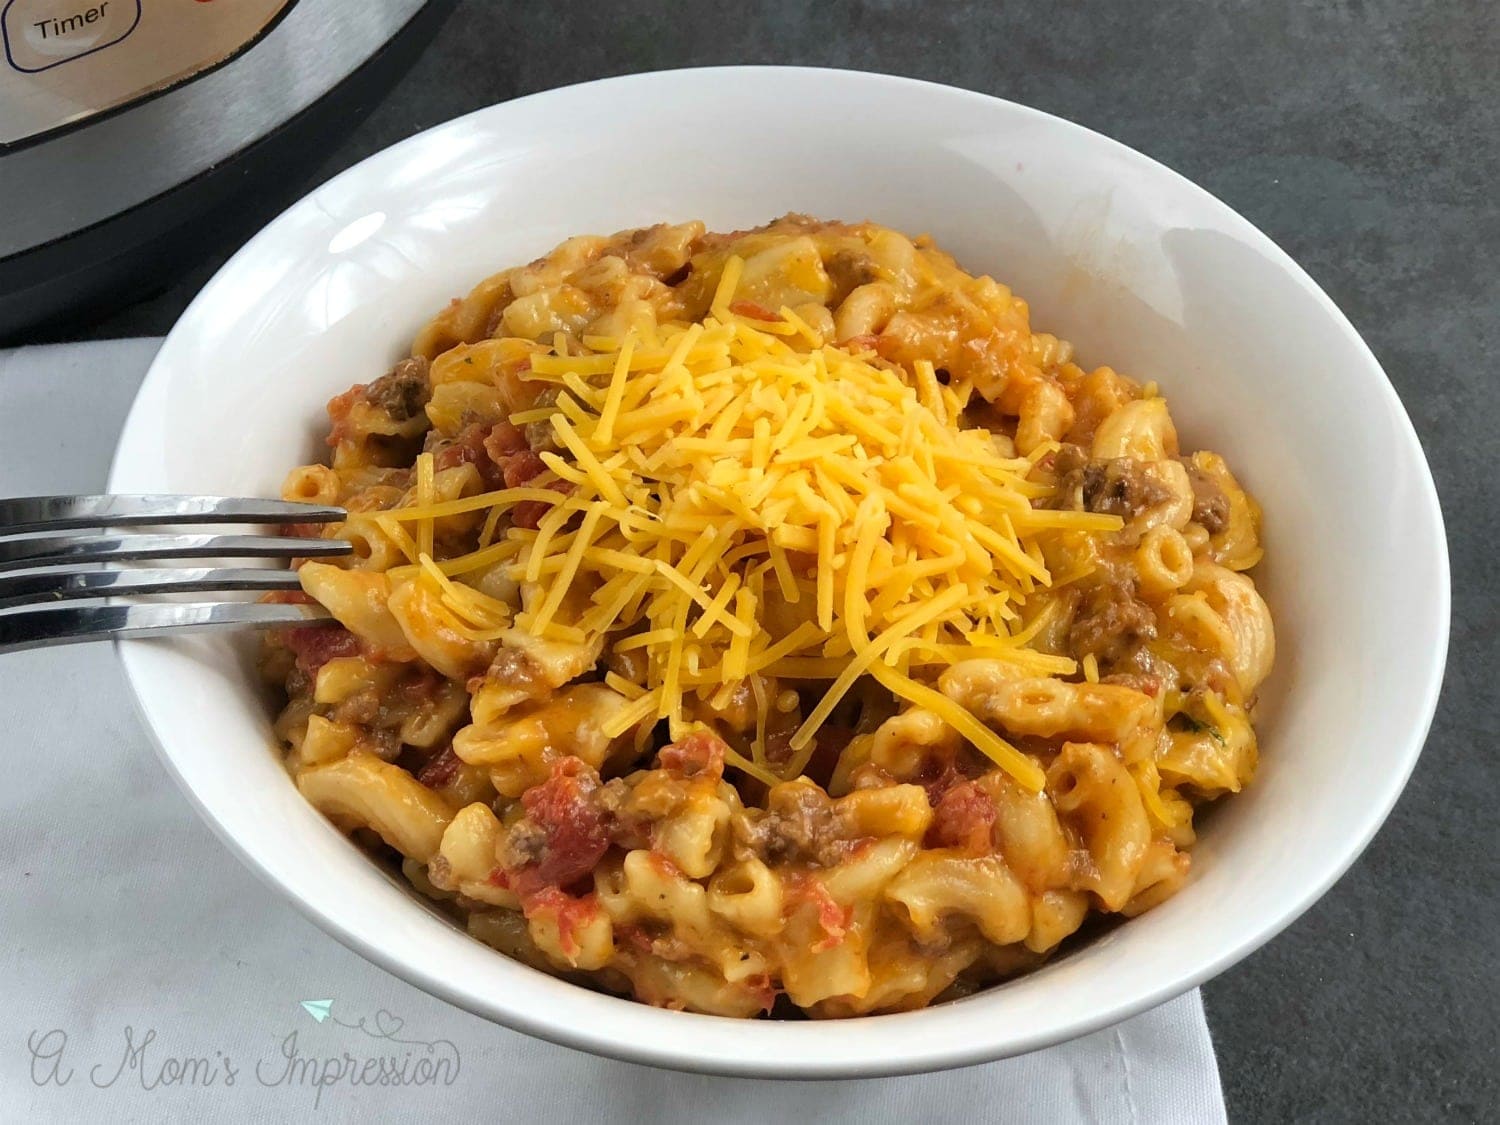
{"x":1210,"y":505}
{"x":799,"y":825}
{"x":1110,"y":623}
{"x":403,"y":391}
{"x":1118,"y":486}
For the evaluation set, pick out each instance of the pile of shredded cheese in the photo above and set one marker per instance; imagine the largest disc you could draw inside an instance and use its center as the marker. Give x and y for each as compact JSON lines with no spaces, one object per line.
{"x":749,"y":499}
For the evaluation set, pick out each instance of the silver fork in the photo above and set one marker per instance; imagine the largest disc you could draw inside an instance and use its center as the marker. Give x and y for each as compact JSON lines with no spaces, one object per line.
{"x":60,"y":567}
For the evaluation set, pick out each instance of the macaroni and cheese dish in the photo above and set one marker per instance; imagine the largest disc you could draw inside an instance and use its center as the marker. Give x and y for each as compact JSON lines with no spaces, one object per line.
{"x":770,"y":621}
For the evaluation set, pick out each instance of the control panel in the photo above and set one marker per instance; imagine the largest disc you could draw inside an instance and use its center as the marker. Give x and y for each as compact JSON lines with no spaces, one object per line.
{"x":65,"y":61}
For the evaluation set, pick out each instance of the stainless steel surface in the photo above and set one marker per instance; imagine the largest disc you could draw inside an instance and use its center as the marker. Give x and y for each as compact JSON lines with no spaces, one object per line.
{"x":43,"y":628}
{"x":62,"y":513}
{"x":66,"y":66}
{"x":62,"y":185}
{"x":67,"y":585}
{"x":45,"y":550}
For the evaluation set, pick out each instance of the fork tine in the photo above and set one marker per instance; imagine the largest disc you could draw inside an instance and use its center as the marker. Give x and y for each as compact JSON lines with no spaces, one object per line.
{"x":60,"y":585}
{"x":62,"y":513}
{"x":41,"y":628}
{"x":46,"y":550}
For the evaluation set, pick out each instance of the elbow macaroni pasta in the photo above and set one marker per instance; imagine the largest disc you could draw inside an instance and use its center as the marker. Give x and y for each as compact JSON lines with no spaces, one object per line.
{"x":464,"y":718}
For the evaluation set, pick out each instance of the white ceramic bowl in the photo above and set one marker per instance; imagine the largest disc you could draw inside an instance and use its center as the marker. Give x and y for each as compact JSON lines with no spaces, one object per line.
{"x":1135,"y":265}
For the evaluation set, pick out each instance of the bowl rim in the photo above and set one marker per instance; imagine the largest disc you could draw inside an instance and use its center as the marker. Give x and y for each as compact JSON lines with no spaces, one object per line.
{"x":676,"y":1051}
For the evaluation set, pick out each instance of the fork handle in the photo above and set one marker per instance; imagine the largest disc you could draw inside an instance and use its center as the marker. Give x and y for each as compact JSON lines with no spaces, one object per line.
{"x":62,"y":513}
{"x":45,"y":586}
{"x":44,"y":628}
{"x":33,"y":551}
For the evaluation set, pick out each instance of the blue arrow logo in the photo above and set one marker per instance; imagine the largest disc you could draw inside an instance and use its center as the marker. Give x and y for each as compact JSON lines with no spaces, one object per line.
{"x":318,"y":1009}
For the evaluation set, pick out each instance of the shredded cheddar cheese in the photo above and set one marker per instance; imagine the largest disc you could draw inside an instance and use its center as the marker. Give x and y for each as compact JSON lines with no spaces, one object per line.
{"x":747,"y":500}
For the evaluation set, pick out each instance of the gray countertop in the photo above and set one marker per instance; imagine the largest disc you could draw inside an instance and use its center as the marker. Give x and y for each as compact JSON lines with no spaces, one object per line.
{"x":1364,"y":137}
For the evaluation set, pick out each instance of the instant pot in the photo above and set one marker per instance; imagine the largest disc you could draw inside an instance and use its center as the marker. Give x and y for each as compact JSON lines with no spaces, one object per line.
{"x":137,"y":136}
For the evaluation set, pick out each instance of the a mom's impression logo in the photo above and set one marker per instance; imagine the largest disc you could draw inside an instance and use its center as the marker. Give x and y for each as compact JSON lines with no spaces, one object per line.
{"x":374,"y":1050}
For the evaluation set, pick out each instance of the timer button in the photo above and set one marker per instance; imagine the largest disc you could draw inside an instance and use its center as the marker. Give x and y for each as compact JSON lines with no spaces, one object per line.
{"x":40,"y":34}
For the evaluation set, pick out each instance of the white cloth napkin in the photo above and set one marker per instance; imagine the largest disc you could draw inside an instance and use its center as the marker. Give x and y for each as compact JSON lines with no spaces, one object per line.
{"x":147,"y":976}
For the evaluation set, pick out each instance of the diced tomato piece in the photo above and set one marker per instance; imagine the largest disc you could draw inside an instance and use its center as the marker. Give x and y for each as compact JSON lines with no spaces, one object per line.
{"x":574,"y":825}
{"x":529,"y":513}
{"x":339,"y":408}
{"x":440,"y":769}
{"x":521,"y":467}
{"x":316,"y":645}
{"x":698,"y":753}
{"x":833,"y":918}
{"x":467,"y":448}
{"x":571,"y":914}
{"x":489,"y":448}
{"x":963,"y":817}
{"x":504,"y":440}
